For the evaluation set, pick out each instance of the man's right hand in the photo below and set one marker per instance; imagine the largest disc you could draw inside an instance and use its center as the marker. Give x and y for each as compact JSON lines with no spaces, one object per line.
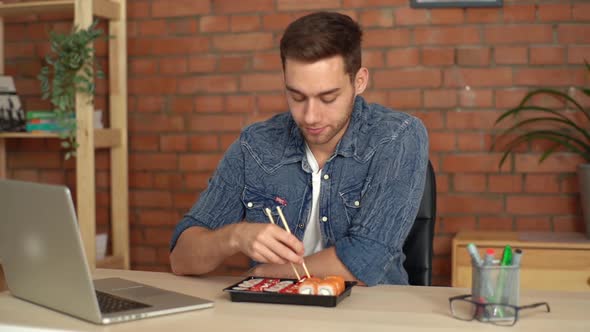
{"x":267,"y":243}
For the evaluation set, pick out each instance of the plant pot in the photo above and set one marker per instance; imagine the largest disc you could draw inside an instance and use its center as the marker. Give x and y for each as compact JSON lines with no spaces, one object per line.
{"x":584,"y":178}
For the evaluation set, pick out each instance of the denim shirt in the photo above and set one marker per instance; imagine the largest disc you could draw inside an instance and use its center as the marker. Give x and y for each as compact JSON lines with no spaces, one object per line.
{"x":370,"y":192}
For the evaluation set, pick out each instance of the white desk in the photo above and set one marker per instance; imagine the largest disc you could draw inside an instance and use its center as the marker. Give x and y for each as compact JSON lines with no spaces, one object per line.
{"x":382,"y":308}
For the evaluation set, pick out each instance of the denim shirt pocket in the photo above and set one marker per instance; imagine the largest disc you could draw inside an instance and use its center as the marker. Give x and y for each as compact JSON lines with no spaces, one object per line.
{"x":352,"y":198}
{"x":255,"y":202}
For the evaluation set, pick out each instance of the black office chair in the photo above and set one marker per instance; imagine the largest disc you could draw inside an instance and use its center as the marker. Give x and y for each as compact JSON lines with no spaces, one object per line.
{"x":418,"y":245}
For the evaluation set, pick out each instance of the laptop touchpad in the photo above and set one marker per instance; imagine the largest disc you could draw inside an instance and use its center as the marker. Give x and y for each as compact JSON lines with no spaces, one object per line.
{"x":139,"y":292}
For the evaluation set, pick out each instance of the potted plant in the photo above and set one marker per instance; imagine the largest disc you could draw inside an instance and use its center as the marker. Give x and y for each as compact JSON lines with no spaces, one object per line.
{"x":561,"y":131}
{"x":69,"y":70}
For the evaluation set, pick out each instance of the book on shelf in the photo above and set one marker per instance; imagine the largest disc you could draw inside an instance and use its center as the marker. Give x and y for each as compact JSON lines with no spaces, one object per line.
{"x":12,"y":115}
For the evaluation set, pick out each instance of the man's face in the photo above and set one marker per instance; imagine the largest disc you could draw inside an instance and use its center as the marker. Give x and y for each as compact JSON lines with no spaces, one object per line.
{"x":321,"y":97}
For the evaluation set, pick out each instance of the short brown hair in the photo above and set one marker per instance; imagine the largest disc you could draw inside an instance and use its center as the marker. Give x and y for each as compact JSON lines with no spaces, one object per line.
{"x":322,"y":35}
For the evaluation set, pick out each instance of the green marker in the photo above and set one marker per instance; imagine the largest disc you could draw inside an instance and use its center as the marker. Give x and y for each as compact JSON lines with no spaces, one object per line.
{"x":504,"y":262}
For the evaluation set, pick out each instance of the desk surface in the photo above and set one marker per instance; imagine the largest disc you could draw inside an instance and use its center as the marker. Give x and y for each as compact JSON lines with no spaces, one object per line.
{"x":381,"y":308}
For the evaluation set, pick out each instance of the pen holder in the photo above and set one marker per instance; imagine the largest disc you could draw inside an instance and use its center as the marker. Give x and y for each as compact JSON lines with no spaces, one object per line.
{"x":499,"y":288}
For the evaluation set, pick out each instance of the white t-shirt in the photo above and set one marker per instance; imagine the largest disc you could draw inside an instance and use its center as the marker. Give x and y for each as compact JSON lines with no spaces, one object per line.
{"x":312,"y":238}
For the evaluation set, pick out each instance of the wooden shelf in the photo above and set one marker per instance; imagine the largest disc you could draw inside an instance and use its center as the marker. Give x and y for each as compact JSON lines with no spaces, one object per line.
{"x":103,"y":138}
{"x":102,"y":8}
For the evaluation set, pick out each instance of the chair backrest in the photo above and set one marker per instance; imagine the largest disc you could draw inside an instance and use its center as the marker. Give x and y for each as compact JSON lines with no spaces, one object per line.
{"x":418,"y":245}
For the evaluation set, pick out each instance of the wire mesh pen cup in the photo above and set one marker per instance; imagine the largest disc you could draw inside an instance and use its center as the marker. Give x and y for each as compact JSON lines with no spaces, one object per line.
{"x":499,"y":288}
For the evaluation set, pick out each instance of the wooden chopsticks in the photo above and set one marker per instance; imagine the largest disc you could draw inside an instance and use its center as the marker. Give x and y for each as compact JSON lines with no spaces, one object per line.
{"x":284,"y":221}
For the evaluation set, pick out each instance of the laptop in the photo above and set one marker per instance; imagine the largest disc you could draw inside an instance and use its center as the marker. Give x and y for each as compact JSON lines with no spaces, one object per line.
{"x":44,"y":263}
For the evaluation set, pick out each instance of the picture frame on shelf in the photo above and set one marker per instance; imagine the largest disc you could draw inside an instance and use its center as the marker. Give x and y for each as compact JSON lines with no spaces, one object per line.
{"x":12,"y":114}
{"x":455,"y":3}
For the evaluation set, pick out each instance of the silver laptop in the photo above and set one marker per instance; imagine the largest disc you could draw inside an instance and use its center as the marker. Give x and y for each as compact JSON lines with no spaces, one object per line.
{"x":44,"y":263}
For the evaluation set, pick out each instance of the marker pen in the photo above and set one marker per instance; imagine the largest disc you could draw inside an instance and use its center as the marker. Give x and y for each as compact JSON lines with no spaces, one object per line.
{"x":516,"y":257}
{"x":472,"y":249}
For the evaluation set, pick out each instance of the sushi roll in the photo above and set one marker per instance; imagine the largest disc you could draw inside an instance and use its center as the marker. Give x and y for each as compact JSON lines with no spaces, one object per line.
{"x":340,"y":282}
{"x":309,"y":286}
{"x":329,"y":287}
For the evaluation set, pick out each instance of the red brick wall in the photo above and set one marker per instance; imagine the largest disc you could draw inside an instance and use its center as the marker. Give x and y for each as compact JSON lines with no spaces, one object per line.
{"x":200,"y":70}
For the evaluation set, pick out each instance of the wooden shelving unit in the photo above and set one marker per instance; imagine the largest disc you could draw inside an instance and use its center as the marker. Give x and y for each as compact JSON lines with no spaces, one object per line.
{"x":113,"y":138}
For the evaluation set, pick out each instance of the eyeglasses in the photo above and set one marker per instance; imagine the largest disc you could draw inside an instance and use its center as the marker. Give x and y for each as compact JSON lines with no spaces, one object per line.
{"x":465,"y":308}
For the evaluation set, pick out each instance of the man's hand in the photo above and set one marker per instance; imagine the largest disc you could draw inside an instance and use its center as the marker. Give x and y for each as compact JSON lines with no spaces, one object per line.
{"x":267,"y":243}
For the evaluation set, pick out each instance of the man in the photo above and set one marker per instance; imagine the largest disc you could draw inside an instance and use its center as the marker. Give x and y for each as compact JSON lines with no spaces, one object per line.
{"x":348,"y":175}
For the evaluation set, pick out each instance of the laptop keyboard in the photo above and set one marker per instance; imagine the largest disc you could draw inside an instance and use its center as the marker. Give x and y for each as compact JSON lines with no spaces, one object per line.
{"x":109,"y":303}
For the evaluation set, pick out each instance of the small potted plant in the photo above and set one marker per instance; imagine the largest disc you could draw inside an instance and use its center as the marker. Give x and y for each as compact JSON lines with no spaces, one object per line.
{"x":560,"y":130}
{"x":69,"y":69}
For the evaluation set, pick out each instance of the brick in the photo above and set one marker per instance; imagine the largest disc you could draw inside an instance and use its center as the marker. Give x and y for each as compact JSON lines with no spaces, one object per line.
{"x":505,"y":183}
{"x":240,"y":104}
{"x":261,"y":82}
{"x":268,"y":61}
{"x":536,"y":224}
{"x":382,"y":18}
{"x":184,"y":201}
{"x":410,"y":16}
{"x":233,"y":63}
{"x":372,"y":3}
{"x":169,"y":181}
{"x":413,"y":78}
{"x":442,"y":183}
{"x":404,"y":99}
{"x":432,"y":120}
{"x":141,"y":67}
{"x":150,"y":199}
{"x":152,"y":85}
{"x":473,"y":142}
{"x":495,"y":224}
{"x":476,"y":204}
{"x":440,"y":98}
{"x":287,"y":5}
{"x":447,"y":16}
{"x":509,"y":98}
{"x":173,"y":66}
{"x":139,"y":47}
{"x":19,"y":50}
{"x":142,"y":254}
{"x":476,"y":56}
{"x":540,"y":205}
{"x":447,"y":35}
{"x":511,"y":55}
{"x":182,"y":26}
{"x":162,"y":8}
{"x":469,"y":183}
{"x":556,"y":163}
{"x":476,"y":98}
{"x":547,"y":55}
{"x":406,"y":57}
{"x":442,"y":141}
{"x":541,"y":183}
{"x":518,"y":34}
{"x":376,"y":96}
{"x":272,"y":103}
{"x":214,"y":24}
{"x":455,"y":224}
{"x":212,"y":123}
{"x":203,"y":143}
{"x":227,"y":140}
{"x":180,"y":45}
{"x":141,"y":180}
{"x":157,"y":123}
{"x":438,"y":56}
{"x":472,"y":163}
{"x":198,"y":162}
{"x":210,"y":84}
{"x":581,"y":11}
{"x":150,"y":104}
{"x":442,"y":245}
{"x":548,"y":77}
{"x":568,"y":224}
{"x":173,"y":143}
{"x":386,"y":38}
{"x":196,"y":181}
{"x":471,"y":119}
{"x":573,"y":34}
{"x":209,"y":104}
{"x":471,"y":77}
{"x":277,"y":21}
{"x":569,"y":183}
{"x":181,"y":104}
{"x":153,"y":161}
{"x":140,"y":142}
{"x":136,"y":9}
{"x":252,"y":6}
{"x":553,"y":12}
{"x":158,"y":236}
{"x":576,"y":54}
{"x":482,"y":15}
{"x":519,"y":13}
{"x":243,"y":42}
{"x":152,"y":28}
{"x":243,"y":23}
{"x":373,"y":59}
{"x":201,"y":64}
{"x":156,"y":218}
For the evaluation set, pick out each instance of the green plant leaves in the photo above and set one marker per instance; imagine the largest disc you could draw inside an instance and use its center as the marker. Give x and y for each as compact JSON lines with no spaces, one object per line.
{"x":68,"y":70}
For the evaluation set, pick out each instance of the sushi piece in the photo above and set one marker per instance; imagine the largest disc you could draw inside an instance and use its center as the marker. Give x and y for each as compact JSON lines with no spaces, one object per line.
{"x":309,"y":286}
{"x":328,"y":287}
{"x":339,"y":281}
